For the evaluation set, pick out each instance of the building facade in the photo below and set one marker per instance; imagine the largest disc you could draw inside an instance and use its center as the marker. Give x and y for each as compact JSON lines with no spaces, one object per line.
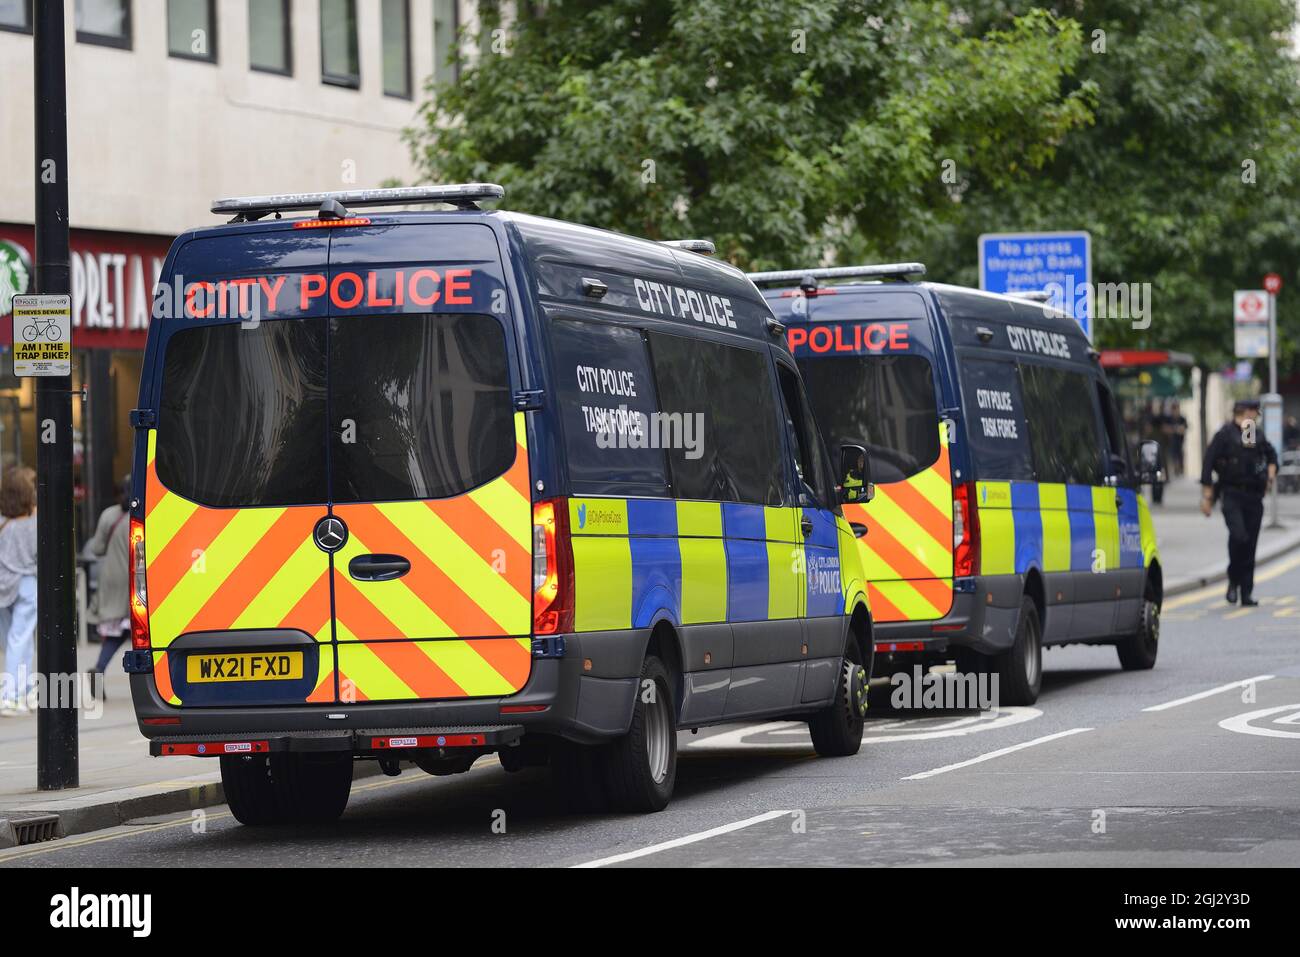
{"x":171,"y":104}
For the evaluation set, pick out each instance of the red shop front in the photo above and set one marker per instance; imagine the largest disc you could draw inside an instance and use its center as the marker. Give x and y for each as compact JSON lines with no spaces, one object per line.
{"x":113,"y":275}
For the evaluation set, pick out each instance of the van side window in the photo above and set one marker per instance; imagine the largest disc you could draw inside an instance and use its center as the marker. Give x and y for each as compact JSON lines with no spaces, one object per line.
{"x":810,"y":460}
{"x":1063,"y":428}
{"x":242,"y":414}
{"x":885,"y":403}
{"x":1120,"y":463}
{"x":995,"y":420}
{"x":430,"y":410}
{"x":738,"y":457}
{"x":607,"y":403}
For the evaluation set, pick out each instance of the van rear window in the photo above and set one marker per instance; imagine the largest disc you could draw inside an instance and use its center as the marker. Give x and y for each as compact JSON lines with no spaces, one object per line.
{"x":420,"y":406}
{"x":242,"y":415}
{"x":417,"y":406}
{"x":885,"y":403}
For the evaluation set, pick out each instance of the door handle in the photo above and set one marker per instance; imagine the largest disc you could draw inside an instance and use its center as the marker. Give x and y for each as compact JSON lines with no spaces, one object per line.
{"x":806,"y":526}
{"x":378,"y":568}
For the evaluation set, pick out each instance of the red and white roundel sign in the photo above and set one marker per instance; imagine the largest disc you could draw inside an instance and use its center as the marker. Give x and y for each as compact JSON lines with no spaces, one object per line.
{"x":1249,"y":305}
{"x":1273,"y":283}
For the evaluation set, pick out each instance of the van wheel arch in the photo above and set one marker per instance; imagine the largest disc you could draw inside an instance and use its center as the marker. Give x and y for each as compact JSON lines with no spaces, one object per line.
{"x":1154,"y":589}
{"x":1037,"y":593}
{"x":665,"y":645}
{"x":860,"y":632}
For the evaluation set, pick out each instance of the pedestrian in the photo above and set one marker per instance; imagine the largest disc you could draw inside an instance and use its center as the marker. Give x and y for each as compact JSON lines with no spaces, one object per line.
{"x":111,"y":545}
{"x":1291,"y":434}
{"x":1246,"y":465}
{"x":17,"y":588}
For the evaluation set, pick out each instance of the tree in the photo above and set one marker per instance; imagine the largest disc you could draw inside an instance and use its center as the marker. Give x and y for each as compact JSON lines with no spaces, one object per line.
{"x":1188,"y":179}
{"x":784,"y":131}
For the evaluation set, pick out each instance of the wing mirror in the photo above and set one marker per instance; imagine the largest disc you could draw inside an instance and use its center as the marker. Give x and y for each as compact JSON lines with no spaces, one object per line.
{"x":1150,"y":469}
{"x":855,"y":483}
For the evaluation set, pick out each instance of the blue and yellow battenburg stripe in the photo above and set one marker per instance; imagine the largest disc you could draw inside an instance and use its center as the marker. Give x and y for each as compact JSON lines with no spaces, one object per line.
{"x":640,"y":560}
{"x":1062,"y":528}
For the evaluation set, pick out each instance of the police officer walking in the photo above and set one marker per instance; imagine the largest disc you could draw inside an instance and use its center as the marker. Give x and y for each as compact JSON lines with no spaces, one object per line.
{"x":1246,"y":465}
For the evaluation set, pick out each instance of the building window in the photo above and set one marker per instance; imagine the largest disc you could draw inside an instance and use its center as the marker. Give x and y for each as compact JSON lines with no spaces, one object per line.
{"x":340,"y":61}
{"x":192,"y":30}
{"x":397,"y":48}
{"x":105,"y":22}
{"x":16,"y":15}
{"x":269,"y":36}
{"x":446,"y":29}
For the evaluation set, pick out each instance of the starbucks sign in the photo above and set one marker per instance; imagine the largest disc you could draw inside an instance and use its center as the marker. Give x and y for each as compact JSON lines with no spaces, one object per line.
{"x":15,"y":274}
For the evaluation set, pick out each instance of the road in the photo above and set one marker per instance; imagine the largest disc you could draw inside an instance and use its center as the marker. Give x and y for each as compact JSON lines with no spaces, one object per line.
{"x":1160,"y":768}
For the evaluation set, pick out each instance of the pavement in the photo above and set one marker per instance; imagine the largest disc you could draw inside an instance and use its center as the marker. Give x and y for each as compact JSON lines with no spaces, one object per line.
{"x":122,"y":786}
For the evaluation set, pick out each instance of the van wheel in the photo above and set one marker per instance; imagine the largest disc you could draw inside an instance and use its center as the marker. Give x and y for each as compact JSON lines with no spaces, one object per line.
{"x":287,"y":788}
{"x":1137,"y":652}
{"x":1020,"y":668}
{"x":837,"y":730}
{"x":641,"y":767}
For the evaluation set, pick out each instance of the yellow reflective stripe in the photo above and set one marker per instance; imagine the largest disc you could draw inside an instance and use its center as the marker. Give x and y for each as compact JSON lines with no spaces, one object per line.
{"x":782,"y":524}
{"x":699,"y":519}
{"x":164,"y":520}
{"x":784,"y":567}
{"x":465,"y":666}
{"x":285,"y":588}
{"x":508,"y":508}
{"x":935,"y":488}
{"x":1150,"y":550}
{"x":1105,"y":518}
{"x":602,"y":581}
{"x":1053,"y":512}
{"x":704,"y":580}
{"x":408,"y":612}
{"x":369,"y":675}
{"x":902,"y":595}
{"x":997,"y":541}
{"x":219,"y":560}
{"x":1052,"y":495}
{"x":491,"y":591}
{"x":598,"y":516}
{"x":935,"y":555}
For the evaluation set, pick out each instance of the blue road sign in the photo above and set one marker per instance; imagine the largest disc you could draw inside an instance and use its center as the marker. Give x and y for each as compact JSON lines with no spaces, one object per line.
{"x":1058,"y":263}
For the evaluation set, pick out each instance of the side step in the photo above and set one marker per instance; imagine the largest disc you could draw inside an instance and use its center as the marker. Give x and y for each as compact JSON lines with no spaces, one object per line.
{"x":363,"y":740}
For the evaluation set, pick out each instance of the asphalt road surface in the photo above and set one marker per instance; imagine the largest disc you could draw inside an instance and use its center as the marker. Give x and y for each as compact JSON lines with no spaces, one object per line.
{"x":1194,"y":763}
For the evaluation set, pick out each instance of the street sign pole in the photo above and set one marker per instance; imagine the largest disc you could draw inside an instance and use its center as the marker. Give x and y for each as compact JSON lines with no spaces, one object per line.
{"x":56,"y":636}
{"x":1274,"y":521}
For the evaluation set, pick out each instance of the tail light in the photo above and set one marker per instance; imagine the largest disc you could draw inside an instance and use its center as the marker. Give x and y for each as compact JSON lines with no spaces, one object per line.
{"x":139,"y":588}
{"x":965,"y":531}
{"x":552,"y":569}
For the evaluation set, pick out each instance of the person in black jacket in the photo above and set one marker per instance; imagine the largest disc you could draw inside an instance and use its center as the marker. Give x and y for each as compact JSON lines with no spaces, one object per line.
{"x":1246,"y":465}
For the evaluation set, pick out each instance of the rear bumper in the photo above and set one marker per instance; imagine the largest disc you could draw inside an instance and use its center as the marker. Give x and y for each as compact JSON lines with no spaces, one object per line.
{"x":983,"y":618}
{"x":587,"y":695}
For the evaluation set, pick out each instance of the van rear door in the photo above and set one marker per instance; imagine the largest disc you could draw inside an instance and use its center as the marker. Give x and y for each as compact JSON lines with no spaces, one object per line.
{"x":428,"y":465}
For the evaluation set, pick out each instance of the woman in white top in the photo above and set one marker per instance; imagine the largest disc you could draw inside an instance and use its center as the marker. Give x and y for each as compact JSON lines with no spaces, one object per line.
{"x":17,"y":586}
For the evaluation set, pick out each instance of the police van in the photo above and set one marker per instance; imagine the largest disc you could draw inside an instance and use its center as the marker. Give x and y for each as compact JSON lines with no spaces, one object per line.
{"x":421,"y":486}
{"x":1007,"y":515}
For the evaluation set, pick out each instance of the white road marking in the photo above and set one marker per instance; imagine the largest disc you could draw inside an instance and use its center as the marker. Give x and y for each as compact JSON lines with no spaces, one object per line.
{"x":689,"y":839}
{"x":995,"y":754}
{"x":1206,"y":694}
{"x":1241,"y":723}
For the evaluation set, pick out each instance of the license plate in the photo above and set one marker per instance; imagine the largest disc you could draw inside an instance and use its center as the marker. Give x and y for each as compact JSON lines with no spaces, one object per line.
{"x":259,"y":666}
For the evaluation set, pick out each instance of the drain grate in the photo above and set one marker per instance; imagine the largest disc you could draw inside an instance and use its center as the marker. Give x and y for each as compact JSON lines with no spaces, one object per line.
{"x":34,"y":830}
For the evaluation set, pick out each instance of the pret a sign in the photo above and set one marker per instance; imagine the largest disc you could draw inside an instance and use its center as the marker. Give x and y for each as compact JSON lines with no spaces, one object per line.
{"x":42,"y":335}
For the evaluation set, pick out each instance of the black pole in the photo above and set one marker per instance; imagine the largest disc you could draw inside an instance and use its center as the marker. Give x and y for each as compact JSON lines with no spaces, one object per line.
{"x":56,"y":635}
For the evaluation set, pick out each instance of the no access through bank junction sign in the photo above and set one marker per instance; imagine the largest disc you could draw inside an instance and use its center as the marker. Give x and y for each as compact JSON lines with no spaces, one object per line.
{"x":42,"y":335}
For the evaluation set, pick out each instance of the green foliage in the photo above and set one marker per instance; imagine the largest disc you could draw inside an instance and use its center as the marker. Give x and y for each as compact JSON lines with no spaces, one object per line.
{"x":781,"y":130}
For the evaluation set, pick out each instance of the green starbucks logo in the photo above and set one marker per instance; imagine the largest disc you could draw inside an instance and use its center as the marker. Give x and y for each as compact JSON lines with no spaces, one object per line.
{"x":15,"y":274}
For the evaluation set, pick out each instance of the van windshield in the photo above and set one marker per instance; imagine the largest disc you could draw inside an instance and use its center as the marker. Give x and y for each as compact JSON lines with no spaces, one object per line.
{"x":307,"y":411}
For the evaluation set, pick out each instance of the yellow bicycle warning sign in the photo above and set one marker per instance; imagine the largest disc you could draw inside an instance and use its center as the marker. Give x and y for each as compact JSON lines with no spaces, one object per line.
{"x":42,"y":335}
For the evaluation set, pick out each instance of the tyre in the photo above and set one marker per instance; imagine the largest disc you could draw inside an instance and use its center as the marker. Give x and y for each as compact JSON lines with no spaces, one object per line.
{"x":287,"y":788}
{"x":1137,"y":652}
{"x":1020,"y":668}
{"x":30,"y":333}
{"x":641,"y":767}
{"x":837,"y":730}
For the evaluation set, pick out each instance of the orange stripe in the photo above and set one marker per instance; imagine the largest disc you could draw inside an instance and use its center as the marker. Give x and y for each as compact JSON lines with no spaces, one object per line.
{"x":343,"y":688}
{"x":894,"y":554}
{"x":882,"y":609}
{"x":255,"y":571}
{"x":312,"y":613}
{"x":941,"y":464}
{"x":359,"y":616}
{"x":416,"y":669}
{"x":176,"y":559}
{"x":162,"y":677}
{"x":937,"y":591}
{"x":507,"y":657}
{"x":517,"y":475}
{"x":922,"y":511}
{"x":481,"y":532}
{"x":324,"y":691}
{"x":426,"y":580}
{"x":152,"y":485}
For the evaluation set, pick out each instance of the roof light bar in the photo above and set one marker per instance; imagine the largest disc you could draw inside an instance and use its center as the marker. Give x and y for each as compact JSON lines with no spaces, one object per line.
{"x":704,"y":247}
{"x":886,"y":270}
{"x":464,"y":195}
{"x":1033,"y":295}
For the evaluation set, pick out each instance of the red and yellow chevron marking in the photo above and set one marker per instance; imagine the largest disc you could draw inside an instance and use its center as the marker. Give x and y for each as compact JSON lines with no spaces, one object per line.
{"x":907,"y":551}
{"x":220,"y":569}
{"x":470,"y":584}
